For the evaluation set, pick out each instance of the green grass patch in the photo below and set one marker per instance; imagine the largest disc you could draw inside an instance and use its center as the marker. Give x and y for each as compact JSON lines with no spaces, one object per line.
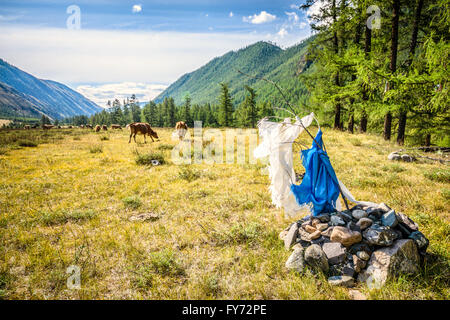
{"x":165,"y":146}
{"x":132,"y":202}
{"x":27,"y":143}
{"x":439,"y":175}
{"x":146,"y":159}
{"x":96,"y":149}
{"x":188,"y":173}
{"x":50,"y":218}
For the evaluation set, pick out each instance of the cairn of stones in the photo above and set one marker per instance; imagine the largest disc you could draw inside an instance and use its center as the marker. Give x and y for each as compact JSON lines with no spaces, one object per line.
{"x":366,"y":244}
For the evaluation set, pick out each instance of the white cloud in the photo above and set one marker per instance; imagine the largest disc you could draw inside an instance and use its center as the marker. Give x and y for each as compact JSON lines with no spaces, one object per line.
{"x":282,"y":33}
{"x":231,"y":14}
{"x":94,"y":56}
{"x":293,"y":6}
{"x":100,"y":94}
{"x":315,"y":9}
{"x":292,"y":16}
{"x":137,"y":8}
{"x":263,"y":17}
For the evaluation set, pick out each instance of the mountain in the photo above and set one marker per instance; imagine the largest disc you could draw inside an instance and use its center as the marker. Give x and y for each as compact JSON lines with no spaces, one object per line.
{"x":261,"y":59}
{"x":24,"y":95}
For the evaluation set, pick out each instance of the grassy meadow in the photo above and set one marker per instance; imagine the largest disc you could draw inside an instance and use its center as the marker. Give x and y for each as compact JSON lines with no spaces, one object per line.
{"x":75,"y":197}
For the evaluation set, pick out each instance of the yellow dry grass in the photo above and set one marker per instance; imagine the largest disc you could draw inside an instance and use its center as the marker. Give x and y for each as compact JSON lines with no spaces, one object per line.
{"x":212,"y":232}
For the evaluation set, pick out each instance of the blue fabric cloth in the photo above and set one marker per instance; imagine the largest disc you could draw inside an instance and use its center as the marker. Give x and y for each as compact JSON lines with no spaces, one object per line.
{"x":320,"y":185}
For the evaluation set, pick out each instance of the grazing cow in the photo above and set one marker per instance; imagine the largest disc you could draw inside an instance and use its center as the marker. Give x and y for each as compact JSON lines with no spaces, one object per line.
{"x":105,"y":128}
{"x":89,"y":126}
{"x":142,"y":128}
{"x":116,"y":126}
{"x":47,"y":126}
{"x":82,"y":126}
{"x":27,"y":127}
{"x":69,"y":127}
{"x":97,"y":128}
{"x":181,"y":129}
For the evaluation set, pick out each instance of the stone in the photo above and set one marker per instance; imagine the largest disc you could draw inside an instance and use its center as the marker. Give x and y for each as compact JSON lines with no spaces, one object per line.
{"x":310,"y":229}
{"x":321,"y":240}
{"x":356,"y":295}
{"x":364,"y":223}
{"x":322,"y":226}
{"x":282,"y":235}
{"x":344,"y":281}
{"x":324,"y":217}
{"x":363,"y":255}
{"x":301,"y":243}
{"x":407,"y":158}
{"x":291,"y":236}
{"x":389,"y":219}
{"x":358,"y":264}
{"x":304,"y":236}
{"x":342,"y":269}
{"x":400,"y":258}
{"x":358,"y":214}
{"x":296,"y":261}
{"x":380,"y":235}
{"x":315,"y":222}
{"x":394,"y":156}
{"x":353,"y":226}
{"x":346,"y":216}
{"x":374,"y":211}
{"x":360,"y":247}
{"x":384,"y":207}
{"x":335,"y":252}
{"x":306,"y":223}
{"x":404,"y":220}
{"x":345,"y":236}
{"x":337,"y":221}
{"x":420,"y":240}
{"x":315,"y":235}
{"x":327,"y":233}
{"x":316,"y":258}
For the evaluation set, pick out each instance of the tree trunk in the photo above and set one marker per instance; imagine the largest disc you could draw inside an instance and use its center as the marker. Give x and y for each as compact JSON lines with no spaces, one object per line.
{"x":363,"y":122}
{"x":387,"y":126}
{"x":428,"y":140}
{"x":351,"y":123}
{"x":401,"y":128}
{"x":393,"y":62}
{"x":337,"y":116}
{"x":412,"y":50}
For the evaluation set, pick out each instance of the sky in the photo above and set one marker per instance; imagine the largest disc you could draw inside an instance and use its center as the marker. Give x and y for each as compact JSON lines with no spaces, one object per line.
{"x":112,"y":49}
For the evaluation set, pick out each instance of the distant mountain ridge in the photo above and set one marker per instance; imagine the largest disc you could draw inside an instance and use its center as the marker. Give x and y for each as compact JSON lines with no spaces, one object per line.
{"x":261,"y":59}
{"x":24,"y":95}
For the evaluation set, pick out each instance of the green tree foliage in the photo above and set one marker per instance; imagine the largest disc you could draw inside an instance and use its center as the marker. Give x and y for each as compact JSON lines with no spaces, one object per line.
{"x":226,"y":107}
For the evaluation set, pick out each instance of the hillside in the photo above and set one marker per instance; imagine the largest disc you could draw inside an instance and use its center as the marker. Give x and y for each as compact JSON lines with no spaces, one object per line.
{"x":24,"y":95}
{"x":261,"y":58}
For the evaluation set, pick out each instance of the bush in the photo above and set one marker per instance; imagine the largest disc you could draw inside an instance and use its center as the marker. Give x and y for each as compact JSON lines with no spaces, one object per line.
{"x":165,"y":146}
{"x":27,"y":143}
{"x":104,"y":138}
{"x":132,"y":202}
{"x":146,"y":159}
{"x":438,"y":175}
{"x":96,"y":149}
{"x":188,"y":174}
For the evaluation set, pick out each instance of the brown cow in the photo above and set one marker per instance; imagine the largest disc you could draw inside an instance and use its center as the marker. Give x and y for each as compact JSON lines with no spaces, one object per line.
{"x":89,"y":126}
{"x":47,"y":126}
{"x":181,"y":128}
{"x":142,"y":128}
{"x":105,"y":128}
{"x":97,"y":128}
{"x":27,"y":127}
{"x":116,"y":126}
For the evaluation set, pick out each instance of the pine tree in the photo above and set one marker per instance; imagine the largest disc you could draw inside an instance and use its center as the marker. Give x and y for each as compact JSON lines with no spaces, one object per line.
{"x":226,"y":107}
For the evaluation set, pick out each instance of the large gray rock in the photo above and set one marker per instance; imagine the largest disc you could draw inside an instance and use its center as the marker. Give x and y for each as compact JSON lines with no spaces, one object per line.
{"x":291,"y":236}
{"x":335,"y":252}
{"x":384,"y":207}
{"x":344,"y":281}
{"x":316,"y":258}
{"x":389,"y":219}
{"x":400,"y":258}
{"x":380,"y":235}
{"x":364,"y":223}
{"x":407,"y":158}
{"x":394,"y":156}
{"x":296,"y":260}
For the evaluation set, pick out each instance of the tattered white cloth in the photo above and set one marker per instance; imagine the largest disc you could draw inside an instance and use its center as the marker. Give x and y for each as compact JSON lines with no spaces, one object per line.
{"x":277,"y":139}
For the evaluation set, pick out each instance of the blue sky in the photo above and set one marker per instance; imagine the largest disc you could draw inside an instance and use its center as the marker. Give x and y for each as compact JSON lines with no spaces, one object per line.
{"x":137,"y":45}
